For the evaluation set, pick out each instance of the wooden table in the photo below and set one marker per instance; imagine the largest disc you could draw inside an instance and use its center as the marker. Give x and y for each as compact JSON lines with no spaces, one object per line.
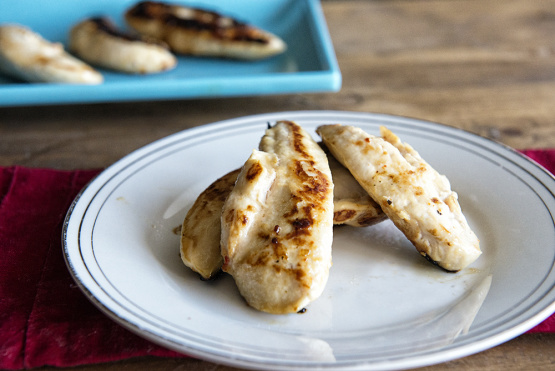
{"x":485,"y":66}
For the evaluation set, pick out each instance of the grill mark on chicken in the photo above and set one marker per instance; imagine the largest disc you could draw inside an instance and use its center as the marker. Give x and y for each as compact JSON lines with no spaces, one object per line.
{"x":219,"y":26}
{"x":109,"y":28}
{"x":254,"y":171}
{"x":343,"y":215}
{"x":315,"y":186}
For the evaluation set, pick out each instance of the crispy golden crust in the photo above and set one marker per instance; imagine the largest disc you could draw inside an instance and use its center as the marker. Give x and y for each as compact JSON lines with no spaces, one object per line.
{"x":200,"y":32}
{"x":99,"y":42}
{"x":277,"y":223}
{"x":414,"y":196}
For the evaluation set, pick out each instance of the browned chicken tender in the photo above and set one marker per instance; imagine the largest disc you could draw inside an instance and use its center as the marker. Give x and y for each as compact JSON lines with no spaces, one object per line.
{"x":201,"y":228}
{"x":200,"y":32}
{"x":99,"y":42}
{"x":277,"y":223}
{"x":414,"y":196}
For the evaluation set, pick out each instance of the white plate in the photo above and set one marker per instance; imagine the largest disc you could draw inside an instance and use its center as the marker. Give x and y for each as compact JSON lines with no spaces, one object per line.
{"x":385,"y":307}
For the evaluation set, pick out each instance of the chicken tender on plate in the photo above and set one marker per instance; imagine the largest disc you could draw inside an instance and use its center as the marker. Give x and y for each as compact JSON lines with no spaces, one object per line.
{"x":412,"y":194}
{"x":201,"y":228}
{"x":277,"y":223}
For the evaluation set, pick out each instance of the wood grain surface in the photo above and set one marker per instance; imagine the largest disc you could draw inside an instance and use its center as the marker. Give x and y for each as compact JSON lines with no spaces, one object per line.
{"x":486,"y":66}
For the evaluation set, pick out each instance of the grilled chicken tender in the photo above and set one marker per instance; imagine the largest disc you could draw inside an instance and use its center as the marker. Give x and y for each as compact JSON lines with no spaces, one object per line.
{"x":27,"y":56}
{"x":200,"y":231}
{"x":351,"y":203}
{"x":201,"y":228}
{"x":414,"y":196}
{"x":277,"y":223}
{"x":99,"y":42}
{"x":200,"y":32}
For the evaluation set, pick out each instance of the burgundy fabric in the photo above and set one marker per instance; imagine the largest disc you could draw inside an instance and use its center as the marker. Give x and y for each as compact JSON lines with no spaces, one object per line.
{"x":546,"y":158}
{"x":44,"y":317}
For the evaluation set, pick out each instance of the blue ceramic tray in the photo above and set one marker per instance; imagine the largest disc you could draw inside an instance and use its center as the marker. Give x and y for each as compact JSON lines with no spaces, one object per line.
{"x":309,"y":64}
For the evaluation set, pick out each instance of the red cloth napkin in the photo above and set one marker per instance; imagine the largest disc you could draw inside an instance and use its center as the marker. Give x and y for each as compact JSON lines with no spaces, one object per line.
{"x":546,"y":158}
{"x":44,"y":317}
